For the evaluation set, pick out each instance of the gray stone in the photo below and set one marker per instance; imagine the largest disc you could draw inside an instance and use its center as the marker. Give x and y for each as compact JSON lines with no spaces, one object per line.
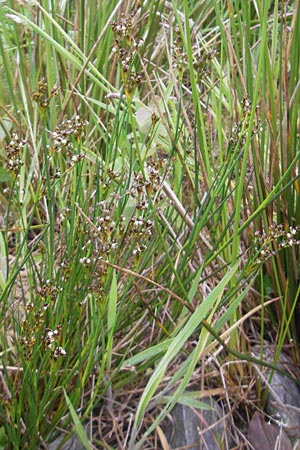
{"x":73,"y":443}
{"x":283,"y":403}
{"x":283,"y":400}
{"x":196,"y":429}
{"x":267,"y":436}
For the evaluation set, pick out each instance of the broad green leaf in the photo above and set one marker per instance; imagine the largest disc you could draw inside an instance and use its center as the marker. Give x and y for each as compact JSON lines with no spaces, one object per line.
{"x":187,"y":400}
{"x":77,"y":424}
{"x":5,"y":127}
{"x":148,"y":353}
{"x":178,"y":342}
{"x":4,"y":175}
{"x":3,"y":439}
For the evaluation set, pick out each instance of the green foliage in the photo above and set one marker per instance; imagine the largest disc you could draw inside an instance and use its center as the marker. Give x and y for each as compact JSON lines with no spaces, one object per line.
{"x":149,"y":181}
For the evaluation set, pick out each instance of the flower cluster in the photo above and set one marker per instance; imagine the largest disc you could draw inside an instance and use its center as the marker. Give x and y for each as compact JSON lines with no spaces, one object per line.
{"x":48,"y":293}
{"x":14,"y":152}
{"x":33,"y":329}
{"x":111,"y":234}
{"x":277,"y":234}
{"x":125,"y":47}
{"x":180,"y":60}
{"x":100,"y":236}
{"x":41,"y":96}
{"x":240,"y":129}
{"x":109,"y":178}
{"x":201,"y":62}
{"x":50,"y":340}
{"x":123,"y":29}
{"x":65,"y":138}
{"x":108,"y":233}
{"x":140,"y":227}
{"x":30,"y":328}
{"x":143,"y":186}
{"x":201,"y":58}
{"x":64,"y":133}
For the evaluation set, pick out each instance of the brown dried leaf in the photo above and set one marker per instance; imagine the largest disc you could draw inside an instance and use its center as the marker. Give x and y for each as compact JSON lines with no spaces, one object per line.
{"x":163,"y":439}
{"x":267,"y":436}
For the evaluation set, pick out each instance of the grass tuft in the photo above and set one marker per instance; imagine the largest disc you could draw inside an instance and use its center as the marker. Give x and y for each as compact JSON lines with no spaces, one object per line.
{"x":149,"y":212}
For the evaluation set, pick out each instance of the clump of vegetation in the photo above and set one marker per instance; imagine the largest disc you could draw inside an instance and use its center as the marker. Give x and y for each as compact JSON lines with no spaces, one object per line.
{"x":149,"y":211}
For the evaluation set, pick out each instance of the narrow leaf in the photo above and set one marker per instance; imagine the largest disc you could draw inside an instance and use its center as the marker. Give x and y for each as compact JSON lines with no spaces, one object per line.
{"x":78,"y":426}
{"x":112,"y":303}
